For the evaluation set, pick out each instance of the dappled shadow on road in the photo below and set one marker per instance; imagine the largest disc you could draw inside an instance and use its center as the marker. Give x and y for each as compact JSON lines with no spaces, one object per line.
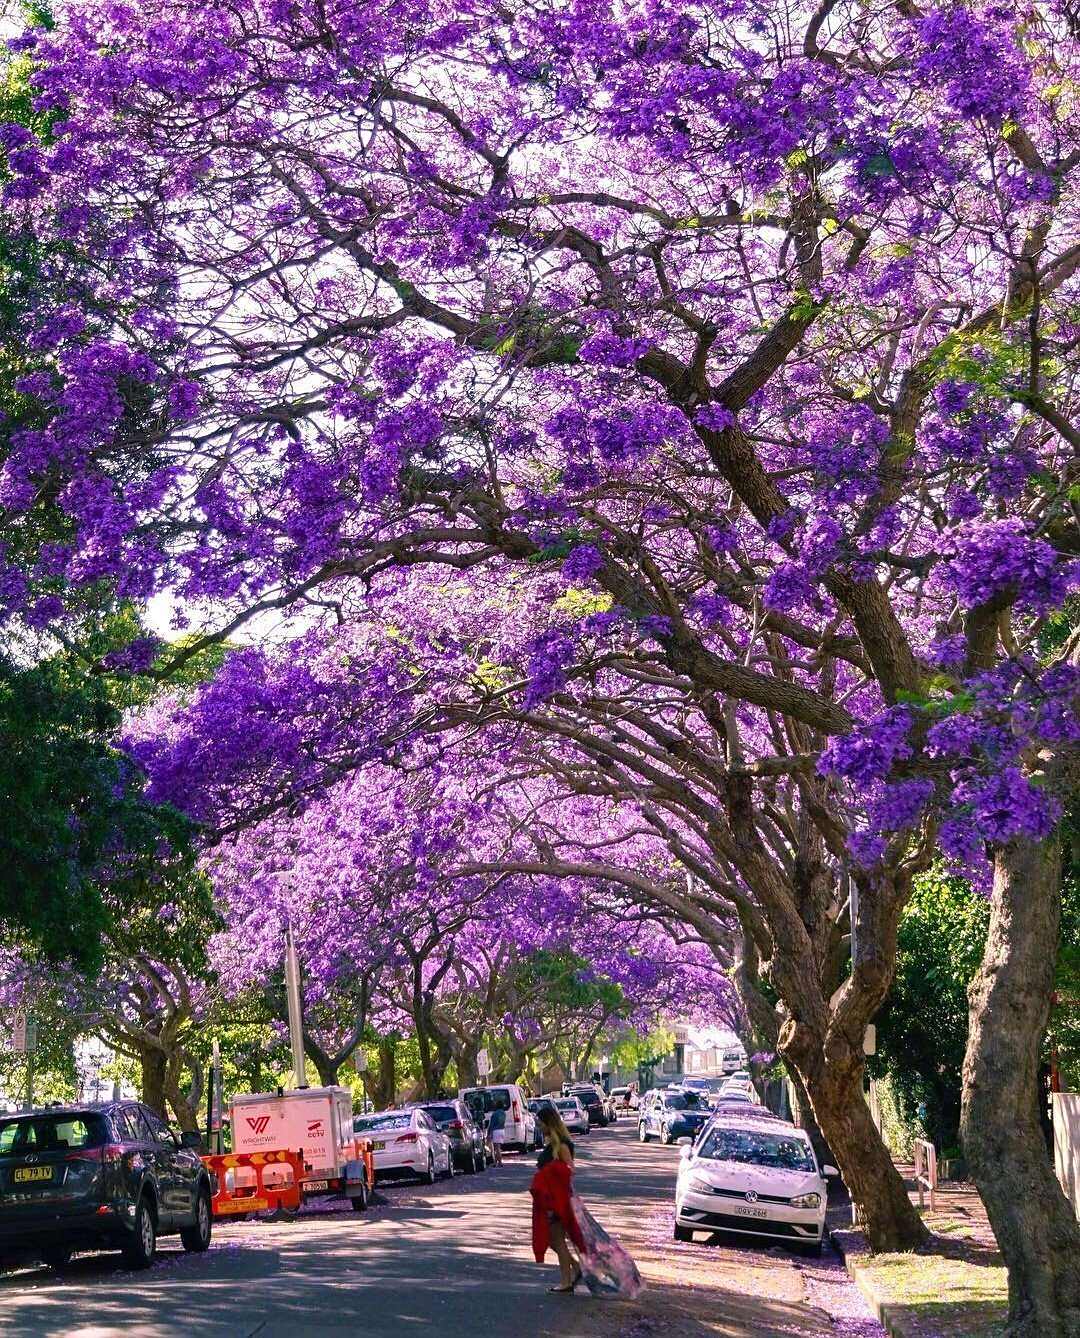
{"x":449,"y":1261}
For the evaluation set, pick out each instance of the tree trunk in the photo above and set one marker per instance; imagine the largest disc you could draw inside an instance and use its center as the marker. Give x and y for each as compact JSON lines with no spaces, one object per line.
{"x":154,"y":1067}
{"x":328,"y":1073}
{"x":834,"y":1084}
{"x":1010,"y":1002}
{"x":186,"y":1106}
{"x":381,"y":1086}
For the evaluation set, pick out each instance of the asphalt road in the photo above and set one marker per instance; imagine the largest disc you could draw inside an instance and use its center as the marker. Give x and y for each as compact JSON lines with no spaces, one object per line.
{"x":452,"y":1261}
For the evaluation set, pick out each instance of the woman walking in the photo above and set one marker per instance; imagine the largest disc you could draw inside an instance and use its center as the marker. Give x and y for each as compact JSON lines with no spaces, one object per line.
{"x":560,"y":1220}
{"x":554,"y":1222}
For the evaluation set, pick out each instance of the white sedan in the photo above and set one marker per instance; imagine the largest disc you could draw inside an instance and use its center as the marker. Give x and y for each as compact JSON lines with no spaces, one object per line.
{"x":752,"y":1175}
{"x":406,"y":1142}
{"x":574,"y":1115}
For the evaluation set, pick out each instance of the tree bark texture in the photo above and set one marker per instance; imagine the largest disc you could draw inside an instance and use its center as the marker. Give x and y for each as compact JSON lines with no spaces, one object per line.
{"x":1010,"y":1003}
{"x":153,"y":1064}
{"x":883,"y":1208}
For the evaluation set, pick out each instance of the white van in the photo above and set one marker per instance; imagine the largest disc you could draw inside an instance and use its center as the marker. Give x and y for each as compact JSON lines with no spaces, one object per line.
{"x":520,"y":1130}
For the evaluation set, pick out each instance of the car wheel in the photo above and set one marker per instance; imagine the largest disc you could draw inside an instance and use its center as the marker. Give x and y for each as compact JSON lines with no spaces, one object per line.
{"x":429,"y":1176}
{"x":140,"y":1249}
{"x":57,"y":1257}
{"x":476,"y":1164}
{"x":665,"y":1135}
{"x":196,"y":1238}
{"x":642,"y":1134}
{"x":682,"y":1233}
{"x":360,"y":1202}
{"x":451,"y":1168}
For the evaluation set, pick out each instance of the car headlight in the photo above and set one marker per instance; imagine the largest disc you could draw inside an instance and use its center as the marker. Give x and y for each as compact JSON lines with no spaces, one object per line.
{"x":701,"y":1186}
{"x":807,"y":1201}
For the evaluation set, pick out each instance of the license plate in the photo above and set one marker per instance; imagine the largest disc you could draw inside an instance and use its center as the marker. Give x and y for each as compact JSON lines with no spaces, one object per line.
{"x":24,"y":1173}
{"x":377,"y":1147}
{"x":310,"y":1186}
{"x":750,"y":1212}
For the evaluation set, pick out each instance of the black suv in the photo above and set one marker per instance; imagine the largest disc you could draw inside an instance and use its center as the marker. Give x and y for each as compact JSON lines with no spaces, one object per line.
{"x":98,"y":1177}
{"x":590,"y":1098}
{"x":455,"y":1119}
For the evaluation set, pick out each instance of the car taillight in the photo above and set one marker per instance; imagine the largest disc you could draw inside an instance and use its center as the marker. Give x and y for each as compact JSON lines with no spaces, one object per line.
{"x":408,"y":1138}
{"x":516,"y":1111}
{"x":85,"y":1154}
{"x":455,"y":1124}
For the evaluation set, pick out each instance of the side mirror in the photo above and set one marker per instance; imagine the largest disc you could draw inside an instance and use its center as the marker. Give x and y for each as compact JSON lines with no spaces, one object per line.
{"x":829,"y":1171}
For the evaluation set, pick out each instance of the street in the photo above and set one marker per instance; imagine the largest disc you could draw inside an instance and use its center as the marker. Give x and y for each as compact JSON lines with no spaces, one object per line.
{"x":451,"y":1261}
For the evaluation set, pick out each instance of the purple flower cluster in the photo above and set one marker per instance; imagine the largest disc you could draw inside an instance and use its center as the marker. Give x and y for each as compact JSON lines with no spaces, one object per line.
{"x":1001,"y":559}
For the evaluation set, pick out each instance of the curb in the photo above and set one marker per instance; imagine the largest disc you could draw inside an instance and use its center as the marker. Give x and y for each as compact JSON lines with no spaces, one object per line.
{"x":852,"y":1248}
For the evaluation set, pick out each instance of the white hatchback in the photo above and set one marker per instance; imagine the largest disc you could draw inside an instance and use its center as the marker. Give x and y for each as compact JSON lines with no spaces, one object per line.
{"x":406,"y":1142}
{"x":752,"y":1176}
{"x":574,"y":1115}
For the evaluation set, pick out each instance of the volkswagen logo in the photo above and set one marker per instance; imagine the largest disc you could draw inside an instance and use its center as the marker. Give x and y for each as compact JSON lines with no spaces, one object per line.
{"x":751,"y":1196}
{"x":31,"y":1160}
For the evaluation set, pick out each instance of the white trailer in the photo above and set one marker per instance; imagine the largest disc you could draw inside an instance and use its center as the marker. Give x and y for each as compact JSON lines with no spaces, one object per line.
{"x":314,"y":1121}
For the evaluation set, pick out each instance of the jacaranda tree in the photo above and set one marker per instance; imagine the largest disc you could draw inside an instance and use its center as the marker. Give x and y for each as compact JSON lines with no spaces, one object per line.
{"x":759,"y":320}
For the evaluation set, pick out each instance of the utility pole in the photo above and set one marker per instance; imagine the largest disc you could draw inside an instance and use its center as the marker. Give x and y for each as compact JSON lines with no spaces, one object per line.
{"x":295,"y":1001}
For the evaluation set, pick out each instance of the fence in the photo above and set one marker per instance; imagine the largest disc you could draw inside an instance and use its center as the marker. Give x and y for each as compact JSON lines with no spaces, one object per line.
{"x":1067,"y":1144}
{"x":926,"y":1170}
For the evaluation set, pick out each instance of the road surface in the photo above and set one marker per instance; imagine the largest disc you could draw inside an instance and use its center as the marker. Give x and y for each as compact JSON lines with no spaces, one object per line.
{"x":452,"y":1261}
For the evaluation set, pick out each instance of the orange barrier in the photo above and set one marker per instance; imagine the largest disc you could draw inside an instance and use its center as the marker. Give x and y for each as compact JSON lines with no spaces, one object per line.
{"x":260,"y":1197}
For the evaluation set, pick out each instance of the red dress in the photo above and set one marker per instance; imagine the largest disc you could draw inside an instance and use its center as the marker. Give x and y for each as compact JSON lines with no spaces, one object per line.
{"x":550,"y":1190}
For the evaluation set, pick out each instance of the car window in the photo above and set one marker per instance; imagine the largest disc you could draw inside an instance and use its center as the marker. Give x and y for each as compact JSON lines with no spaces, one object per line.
{"x":52,"y":1133}
{"x":139,"y":1118}
{"x":159,"y":1130}
{"x":757,"y":1147}
{"x":441,"y":1113}
{"x":127,"y":1126}
{"x":489,"y":1099}
{"x":393,"y":1120}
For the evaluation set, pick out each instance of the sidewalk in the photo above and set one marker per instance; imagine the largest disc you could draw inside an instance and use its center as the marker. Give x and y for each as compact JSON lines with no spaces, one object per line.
{"x":955,"y":1285}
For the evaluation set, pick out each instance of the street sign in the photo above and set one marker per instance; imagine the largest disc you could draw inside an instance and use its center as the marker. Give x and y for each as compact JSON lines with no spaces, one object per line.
{"x":20,"y":1034}
{"x":360,"y":1061}
{"x":483,"y":1063}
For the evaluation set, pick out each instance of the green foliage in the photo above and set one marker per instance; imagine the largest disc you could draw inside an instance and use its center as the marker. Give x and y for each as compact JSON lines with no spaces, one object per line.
{"x":74,"y":819}
{"x":922,"y":1028}
{"x":563,"y":981}
{"x":633,"y":1048}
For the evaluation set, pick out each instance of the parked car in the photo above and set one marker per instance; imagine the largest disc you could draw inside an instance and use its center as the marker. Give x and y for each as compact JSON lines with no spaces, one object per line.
{"x":670,"y":1115}
{"x":406,"y":1142}
{"x":520,"y":1130}
{"x":99,"y":1177}
{"x":590,"y":1098}
{"x":739,"y":1085}
{"x":733,"y":1060}
{"x":625,"y":1098}
{"x":748,"y":1175}
{"x":468,"y":1140}
{"x":574,"y":1115}
{"x":707,"y":1088}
